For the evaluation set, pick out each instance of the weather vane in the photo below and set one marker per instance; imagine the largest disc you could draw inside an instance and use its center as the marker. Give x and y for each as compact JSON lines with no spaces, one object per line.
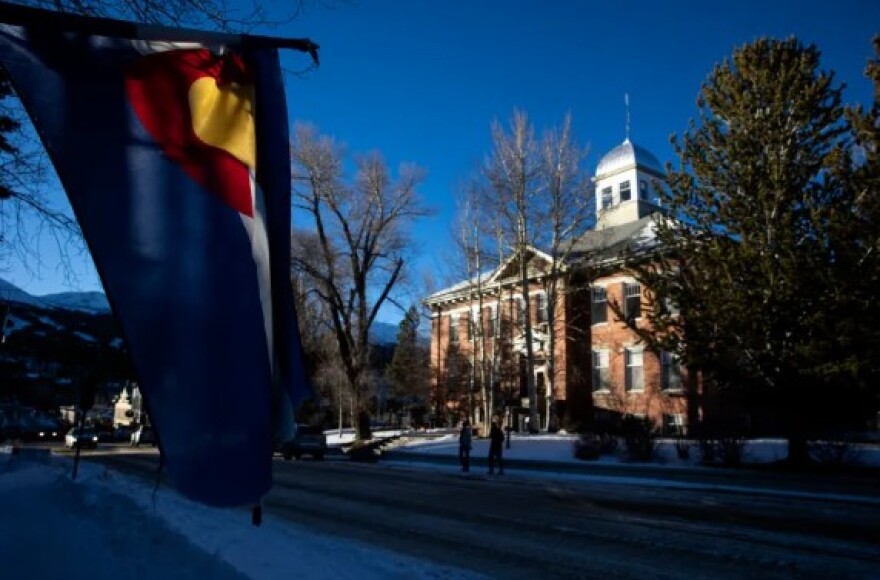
{"x":626,"y":102}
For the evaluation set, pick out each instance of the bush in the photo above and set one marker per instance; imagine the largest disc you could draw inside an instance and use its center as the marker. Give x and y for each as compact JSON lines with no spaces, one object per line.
{"x":591,"y":445}
{"x":727,"y":448}
{"x":366,"y":451}
{"x":586,"y":448}
{"x":607,"y":443}
{"x":682,"y":447}
{"x":834,"y":452}
{"x":731,"y":449}
{"x":572,"y":425}
{"x":708,"y":450}
{"x":640,"y":437}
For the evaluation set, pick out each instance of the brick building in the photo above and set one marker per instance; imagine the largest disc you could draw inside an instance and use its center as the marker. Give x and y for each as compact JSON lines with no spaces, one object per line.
{"x":600,"y":372}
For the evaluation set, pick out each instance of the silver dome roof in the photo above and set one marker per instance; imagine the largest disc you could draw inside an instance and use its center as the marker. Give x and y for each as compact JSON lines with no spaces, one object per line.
{"x":626,"y":155}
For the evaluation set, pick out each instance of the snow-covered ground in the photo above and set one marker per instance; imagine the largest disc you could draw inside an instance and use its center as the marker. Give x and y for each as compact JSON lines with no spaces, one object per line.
{"x":105,"y":525}
{"x":560,"y":448}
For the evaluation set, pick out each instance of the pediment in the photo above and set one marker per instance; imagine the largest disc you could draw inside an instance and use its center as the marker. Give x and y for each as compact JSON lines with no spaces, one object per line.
{"x":537,"y":264}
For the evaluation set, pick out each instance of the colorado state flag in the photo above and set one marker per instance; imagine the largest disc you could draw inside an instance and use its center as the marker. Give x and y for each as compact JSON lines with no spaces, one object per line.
{"x":175,"y":159}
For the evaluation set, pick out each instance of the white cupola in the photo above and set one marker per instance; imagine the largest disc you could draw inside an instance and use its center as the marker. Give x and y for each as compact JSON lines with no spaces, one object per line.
{"x":626,"y":185}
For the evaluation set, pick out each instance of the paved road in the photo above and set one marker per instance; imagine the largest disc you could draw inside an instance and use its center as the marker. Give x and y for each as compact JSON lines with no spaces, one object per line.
{"x":518,"y":526}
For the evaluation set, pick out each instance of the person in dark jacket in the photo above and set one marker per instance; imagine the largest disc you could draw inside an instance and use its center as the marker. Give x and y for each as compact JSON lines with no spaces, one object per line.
{"x":496,"y":442}
{"x":464,"y":446}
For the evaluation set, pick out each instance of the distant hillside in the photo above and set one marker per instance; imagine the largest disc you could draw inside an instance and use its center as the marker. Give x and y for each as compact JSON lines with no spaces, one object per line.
{"x":12,"y":293}
{"x":94,"y":302}
{"x":386,"y":333}
{"x":50,"y":343}
{"x":382,"y":333}
{"x":86,"y":301}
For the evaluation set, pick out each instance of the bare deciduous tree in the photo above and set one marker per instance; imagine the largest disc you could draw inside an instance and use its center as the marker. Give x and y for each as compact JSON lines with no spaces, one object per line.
{"x":362,"y":239}
{"x":530,"y":194}
{"x":209,"y":14}
{"x":513,"y":174}
{"x":472,"y":235}
{"x":26,"y":211}
{"x":567,"y":214}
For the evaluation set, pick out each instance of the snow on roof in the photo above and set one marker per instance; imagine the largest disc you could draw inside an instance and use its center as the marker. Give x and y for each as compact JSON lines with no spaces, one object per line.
{"x":485,"y":277}
{"x":613,"y":242}
{"x":463,"y":285}
{"x":626,"y":155}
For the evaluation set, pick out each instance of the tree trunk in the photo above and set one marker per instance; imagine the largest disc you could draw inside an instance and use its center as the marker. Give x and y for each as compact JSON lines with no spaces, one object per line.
{"x":341,"y":411}
{"x":798,"y":450}
{"x":530,"y":355}
{"x":551,"y":367}
{"x":362,"y":427}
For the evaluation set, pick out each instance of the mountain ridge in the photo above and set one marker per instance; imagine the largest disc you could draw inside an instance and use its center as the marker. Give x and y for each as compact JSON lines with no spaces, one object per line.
{"x":93,"y":302}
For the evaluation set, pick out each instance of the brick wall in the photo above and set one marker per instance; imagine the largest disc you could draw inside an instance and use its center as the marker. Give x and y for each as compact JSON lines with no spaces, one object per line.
{"x":577,"y":339}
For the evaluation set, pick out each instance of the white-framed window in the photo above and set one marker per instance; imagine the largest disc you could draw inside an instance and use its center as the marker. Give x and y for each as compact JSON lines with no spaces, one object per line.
{"x":521,"y":311}
{"x":599,"y":308}
{"x":643,"y":189}
{"x":491,"y":317}
{"x":632,"y":300}
{"x":601,"y":374}
{"x":454,"y":319}
{"x":625,"y":191}
{"x":670,"y":372}
{"x":674,"y":424}
{"x":542,"y":307}
{"x":607,"y":197}
{"x":635,"y":370}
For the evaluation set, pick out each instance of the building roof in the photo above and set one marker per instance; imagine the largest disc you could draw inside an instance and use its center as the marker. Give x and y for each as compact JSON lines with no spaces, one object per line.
{"x":487,"y":278}
{"x":594,"y":247}
{"x":460,"y":286}
{"x":612,"y":242}
{"x":627,"y":155}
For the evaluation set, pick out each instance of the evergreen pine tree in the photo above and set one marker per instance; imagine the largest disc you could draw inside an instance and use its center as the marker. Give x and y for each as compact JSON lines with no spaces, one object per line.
{"x":408,"y":371}
{"x":852,"y":339}
{"x":746,"y":251}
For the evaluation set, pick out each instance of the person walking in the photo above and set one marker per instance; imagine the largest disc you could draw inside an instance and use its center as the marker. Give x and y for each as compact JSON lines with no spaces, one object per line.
{"x":464,"y":446}
{"x":496,"y":441}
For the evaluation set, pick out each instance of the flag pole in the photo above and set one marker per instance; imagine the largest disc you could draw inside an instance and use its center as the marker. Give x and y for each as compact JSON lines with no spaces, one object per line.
{"x":18,"y":15}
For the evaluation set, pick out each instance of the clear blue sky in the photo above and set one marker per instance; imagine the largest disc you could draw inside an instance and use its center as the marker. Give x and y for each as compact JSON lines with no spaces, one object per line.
{"x":422,"y":80}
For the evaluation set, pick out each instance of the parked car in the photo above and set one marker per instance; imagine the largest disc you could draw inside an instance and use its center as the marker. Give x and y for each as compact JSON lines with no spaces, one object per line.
{"x":143,"y":434}
{"x":85,"y":437}
{"x":49,"y":429}
{"x":307,"y":441}
{"x":34,"y":429}
{"x":122,"y":434}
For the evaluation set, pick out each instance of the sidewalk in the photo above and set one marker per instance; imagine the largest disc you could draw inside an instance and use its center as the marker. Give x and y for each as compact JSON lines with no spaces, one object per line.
{"x":556,"y":461}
